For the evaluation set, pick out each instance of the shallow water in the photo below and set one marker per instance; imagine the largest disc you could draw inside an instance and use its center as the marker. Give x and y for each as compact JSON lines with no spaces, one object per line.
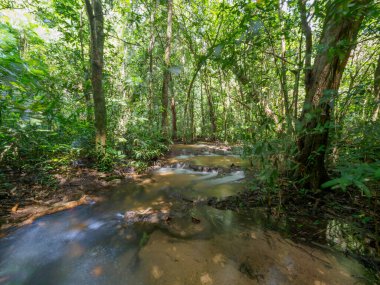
{"x":210,"y":160}
{"x":97,"y":244}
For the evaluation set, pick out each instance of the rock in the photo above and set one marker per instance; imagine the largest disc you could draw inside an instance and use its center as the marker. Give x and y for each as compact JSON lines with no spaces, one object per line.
{"x":147,"y":216}
{"x":113,"y":178}
{"x":195,"y":220}
{"x":114,"y":182}
{"x":247,"y":270}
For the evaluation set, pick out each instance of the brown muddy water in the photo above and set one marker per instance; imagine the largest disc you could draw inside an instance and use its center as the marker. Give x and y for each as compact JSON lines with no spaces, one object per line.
{"x":159,"y":230}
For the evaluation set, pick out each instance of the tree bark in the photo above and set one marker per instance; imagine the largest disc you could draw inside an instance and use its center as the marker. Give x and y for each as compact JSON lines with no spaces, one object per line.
{"x":192,"y":125}
{"x":297,"y":76}
{"x":174,"y":118}
{"x":339,"y":33}
{"x":283,"y":76}
{"x":150,"y":54}
{"x":165,"y":85}
{"x":309,"y":42}
{"x":96,"y":20}
{"x":85,"y":85}
{"x":376,"y":88}
{"x":211,"y":110}
{"x":202,"y":113}
{"x":225,"y":110}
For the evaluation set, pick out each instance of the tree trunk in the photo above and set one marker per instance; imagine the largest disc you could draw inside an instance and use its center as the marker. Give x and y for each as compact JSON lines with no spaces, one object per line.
{"x":174,"y":119}
{"x":376,"y":86}
{"x":225,"y":110}
{"x":202,"y":113}
{"x":339,"y":33}
{"x":165,"y":85}
{"x":283,"y":76}
{"x":309,"y":42}
{"x":191,"y":112}
{"x":188,"y":97}
{"x":212,"y":111}
{"x":150,"y":72}
{"x":96,"y":20}
{"x":85,"y":85}
{"x":297,"y":76}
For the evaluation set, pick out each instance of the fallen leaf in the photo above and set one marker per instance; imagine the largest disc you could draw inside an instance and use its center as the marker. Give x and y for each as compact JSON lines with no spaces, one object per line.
{"x":15,"y":208}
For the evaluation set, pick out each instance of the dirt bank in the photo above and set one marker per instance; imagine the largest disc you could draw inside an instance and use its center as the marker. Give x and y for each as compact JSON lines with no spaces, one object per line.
{"x":27,"y":201}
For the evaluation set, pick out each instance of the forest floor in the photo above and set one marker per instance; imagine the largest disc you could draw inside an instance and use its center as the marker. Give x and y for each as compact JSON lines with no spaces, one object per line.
{"x":73,"y":186}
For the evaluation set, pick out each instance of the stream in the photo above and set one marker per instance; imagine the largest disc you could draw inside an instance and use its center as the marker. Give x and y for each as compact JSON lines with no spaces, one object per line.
{"x":160,"y":230}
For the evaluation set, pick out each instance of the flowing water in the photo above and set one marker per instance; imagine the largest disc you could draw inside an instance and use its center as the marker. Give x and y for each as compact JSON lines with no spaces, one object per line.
{"x":159,"y":230}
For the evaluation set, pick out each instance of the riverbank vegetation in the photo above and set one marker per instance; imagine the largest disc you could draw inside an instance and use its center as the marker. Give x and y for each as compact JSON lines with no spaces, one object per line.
{"x":109,"y":85}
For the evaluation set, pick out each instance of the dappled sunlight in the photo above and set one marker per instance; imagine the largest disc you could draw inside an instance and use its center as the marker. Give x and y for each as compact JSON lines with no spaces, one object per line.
{"x":206,"y":279}
{"x":171,"y":142}
{"x":344,"y":236}
{"x":156,"y":272}
{"x":219,"y":259}
{"x":317,"y":282}
{"x":320,"y":271}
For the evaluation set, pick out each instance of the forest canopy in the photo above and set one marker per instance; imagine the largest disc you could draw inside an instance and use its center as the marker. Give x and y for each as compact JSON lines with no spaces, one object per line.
{"x":295,"y":82}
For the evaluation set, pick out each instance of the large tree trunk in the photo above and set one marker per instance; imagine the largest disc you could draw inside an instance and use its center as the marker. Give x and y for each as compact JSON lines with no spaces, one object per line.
{"x":165,"y":85}
{"x":96,"y":20}
{"x":338,"y":37}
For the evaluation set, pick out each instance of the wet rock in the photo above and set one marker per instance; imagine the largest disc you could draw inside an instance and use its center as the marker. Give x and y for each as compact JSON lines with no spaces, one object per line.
{"x":195,"y":220}
{"x":79,"y":163}
{"x":247,"y":270}
{"x":149,"y":216}
{"x":114,"y":182}
{"x":113,"y":177}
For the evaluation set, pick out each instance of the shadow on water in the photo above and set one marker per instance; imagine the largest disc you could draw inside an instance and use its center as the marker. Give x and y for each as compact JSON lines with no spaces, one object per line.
{"x":160,"y":230}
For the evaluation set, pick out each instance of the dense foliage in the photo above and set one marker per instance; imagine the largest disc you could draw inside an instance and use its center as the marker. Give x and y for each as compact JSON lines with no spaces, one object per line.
{"x":237,"y":72}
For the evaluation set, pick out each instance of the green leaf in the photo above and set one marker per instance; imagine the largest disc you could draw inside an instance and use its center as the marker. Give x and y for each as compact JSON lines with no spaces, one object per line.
{"x":331,"y":183}
{"x":363,"y":188}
